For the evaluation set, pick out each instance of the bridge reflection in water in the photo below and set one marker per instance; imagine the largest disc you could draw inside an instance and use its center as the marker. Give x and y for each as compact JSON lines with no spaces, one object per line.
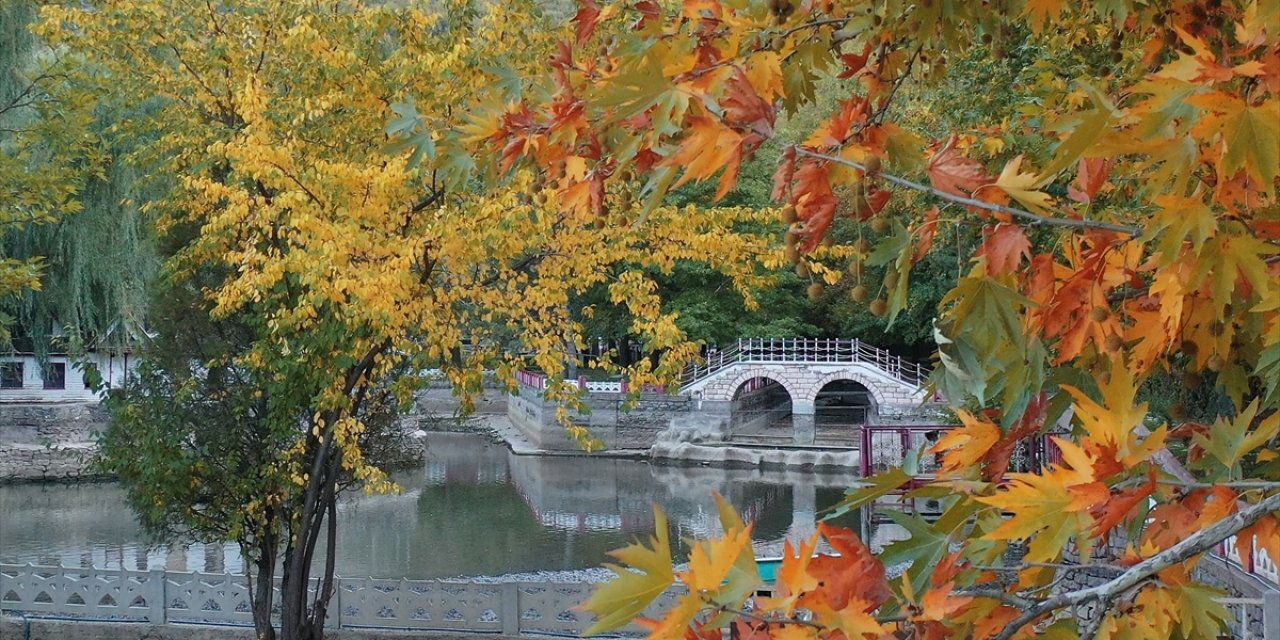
{"x":474,"y":509}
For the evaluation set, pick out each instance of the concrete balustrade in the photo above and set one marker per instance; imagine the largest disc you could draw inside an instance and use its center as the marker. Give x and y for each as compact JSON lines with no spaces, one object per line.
{"x":168,"y":597}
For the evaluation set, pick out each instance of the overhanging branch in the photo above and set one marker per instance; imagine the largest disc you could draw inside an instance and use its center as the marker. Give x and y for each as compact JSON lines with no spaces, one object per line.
{"x":1033,"y":218}
{"x":1192,"y":545}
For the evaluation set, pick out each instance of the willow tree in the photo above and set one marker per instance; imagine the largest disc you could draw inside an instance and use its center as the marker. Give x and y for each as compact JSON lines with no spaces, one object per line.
{"x":75,"y":255}
{"x":346,"y":257}
{"x":1126,"y":201}
{"x":37,"y":135}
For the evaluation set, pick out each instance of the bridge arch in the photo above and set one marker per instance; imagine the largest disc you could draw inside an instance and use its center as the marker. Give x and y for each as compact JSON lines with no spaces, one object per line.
{"x":875,"y":388}
{"x":761,"y":405}
{"x":775,"y":374}
{"x":842,"y":404}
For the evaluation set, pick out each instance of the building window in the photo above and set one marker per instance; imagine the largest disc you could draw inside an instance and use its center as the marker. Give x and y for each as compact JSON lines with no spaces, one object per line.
{"x":55,"y":375}
{"x":10,"y":375}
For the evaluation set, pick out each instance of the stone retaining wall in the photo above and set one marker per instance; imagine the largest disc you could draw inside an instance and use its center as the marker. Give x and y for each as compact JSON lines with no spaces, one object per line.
{"x":610,"y":419}
{"x":48,"y":441}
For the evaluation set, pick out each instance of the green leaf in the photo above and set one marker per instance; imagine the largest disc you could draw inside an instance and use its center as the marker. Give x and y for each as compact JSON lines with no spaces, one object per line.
{"x":647,"y":573}
{"x":508,"y":82}
{"x":1088,"y":131}
{"x":876,"y":486}
{"x":1230,"y":440}
{"x":1200,"y":615}
{"x":924,"y":547}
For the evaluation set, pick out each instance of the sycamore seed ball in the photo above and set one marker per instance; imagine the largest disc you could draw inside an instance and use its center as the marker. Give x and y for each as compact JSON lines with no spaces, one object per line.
{"x":814,"y":290}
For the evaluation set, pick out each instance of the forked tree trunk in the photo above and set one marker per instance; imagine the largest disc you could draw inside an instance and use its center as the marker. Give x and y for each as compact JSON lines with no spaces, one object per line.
{"x":262,"y":592}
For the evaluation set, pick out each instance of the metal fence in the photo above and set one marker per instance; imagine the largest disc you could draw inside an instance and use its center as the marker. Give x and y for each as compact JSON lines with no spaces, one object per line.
{"x":159,"y":597}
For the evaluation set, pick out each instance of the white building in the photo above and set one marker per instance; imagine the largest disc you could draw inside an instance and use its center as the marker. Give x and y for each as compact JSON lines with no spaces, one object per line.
{"x":60,"y":378}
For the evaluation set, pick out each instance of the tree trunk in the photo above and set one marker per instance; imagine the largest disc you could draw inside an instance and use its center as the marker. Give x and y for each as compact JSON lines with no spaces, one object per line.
{"x":302,"y":618}
{"x":261,"y":588}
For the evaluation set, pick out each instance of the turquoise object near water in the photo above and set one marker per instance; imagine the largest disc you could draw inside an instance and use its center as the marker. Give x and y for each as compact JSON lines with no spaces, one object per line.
{"x":769,"y":569}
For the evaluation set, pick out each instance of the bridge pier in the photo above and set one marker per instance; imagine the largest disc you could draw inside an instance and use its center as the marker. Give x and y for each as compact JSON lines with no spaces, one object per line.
{"x":804,"y":428}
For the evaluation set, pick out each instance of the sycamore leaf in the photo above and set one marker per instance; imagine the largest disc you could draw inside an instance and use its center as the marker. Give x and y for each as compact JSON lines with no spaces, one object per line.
{"x":940,"y":603}
{"x":965,"y":446}
{"x":855,"y":621}
{"x":585,"y":20}
{"x":1113,"y":422}
{"x":1042,"y":12}
{"x":855,"y":574}
{"x":923,"y":548}
{"x":1052,"y":507}
{"x":1088,"y":131}
{"x":1005,"y":248}
{"x":1022,"y":187}
{"x":1231,"y":439}
{"x":1091,"y":177}
{"x":951,"y":172}
{"x":1252,"y":137}
{"x":793,"y":579}
{"x":1199,"y":613}
{"x":877,"y":486}
{"x":618,"y":601}
{"x":764,"y":72}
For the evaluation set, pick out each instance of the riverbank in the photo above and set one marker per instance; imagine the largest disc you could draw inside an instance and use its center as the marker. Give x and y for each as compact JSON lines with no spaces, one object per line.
{"x":53,"y":441}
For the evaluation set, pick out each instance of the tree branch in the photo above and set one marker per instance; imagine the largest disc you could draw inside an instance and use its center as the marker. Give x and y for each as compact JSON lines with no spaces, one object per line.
{"x":1034,"y":219}
{"x":1192,"y":545}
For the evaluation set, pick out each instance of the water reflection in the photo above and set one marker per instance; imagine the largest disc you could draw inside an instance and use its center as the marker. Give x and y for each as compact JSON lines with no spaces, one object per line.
{"x":473,"y":509}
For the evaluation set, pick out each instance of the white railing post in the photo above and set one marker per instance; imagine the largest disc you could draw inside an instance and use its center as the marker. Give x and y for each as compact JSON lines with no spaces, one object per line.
{"x":510,"y":609}
{"x":1271,"y":614}
{"x":158,"y":597}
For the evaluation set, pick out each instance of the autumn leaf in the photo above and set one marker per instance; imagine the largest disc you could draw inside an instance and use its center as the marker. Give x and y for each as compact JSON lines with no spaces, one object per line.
{"x":1006,"y":247}
{"x":585,"y":20}
{"x":1112,"y":423}
{"x":951,"y":172}
{"x":815,"y":202}
{"x":855,"y":574}
{"x":940,"y":603}
{"x":1051,"y":507}
{"x":1022,"y":187}
{"x":1232,"y":439}
{"x":1091,"y":177}
{"x":965,"y":446}
{"x":646,"y":574}
{"x":1041,"y":12}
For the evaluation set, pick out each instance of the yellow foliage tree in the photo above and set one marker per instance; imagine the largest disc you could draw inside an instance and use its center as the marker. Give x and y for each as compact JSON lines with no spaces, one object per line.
{"x":1127,"y":204}
{"x":357,"y":260}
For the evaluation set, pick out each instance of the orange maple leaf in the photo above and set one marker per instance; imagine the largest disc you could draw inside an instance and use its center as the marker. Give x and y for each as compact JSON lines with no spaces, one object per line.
{"x":1005,"y":248}
{"x":951,"y":172}
{"x":1263,"y":535}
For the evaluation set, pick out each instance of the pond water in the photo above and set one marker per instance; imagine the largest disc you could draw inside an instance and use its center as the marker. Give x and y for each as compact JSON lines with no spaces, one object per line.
{"x":473,"y":509}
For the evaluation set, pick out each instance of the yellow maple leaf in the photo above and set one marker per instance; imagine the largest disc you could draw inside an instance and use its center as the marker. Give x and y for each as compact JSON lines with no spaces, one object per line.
{"x":1021,"y":187}
{"x":1113,"y":422}
{"x":966,"y":445}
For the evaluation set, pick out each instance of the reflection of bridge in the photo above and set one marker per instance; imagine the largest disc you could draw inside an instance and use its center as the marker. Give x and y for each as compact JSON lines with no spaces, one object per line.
{"x":806,"y":384}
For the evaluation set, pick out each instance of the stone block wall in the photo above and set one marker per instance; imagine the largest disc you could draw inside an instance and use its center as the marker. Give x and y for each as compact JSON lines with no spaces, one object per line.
{"x":48,"y":441}
{"x":611,"y":419}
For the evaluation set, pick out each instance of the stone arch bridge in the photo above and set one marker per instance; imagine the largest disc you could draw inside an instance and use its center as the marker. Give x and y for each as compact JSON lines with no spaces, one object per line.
{"x":847,"y":381}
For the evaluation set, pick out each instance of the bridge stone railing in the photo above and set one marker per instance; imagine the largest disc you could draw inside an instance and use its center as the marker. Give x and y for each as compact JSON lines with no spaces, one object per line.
{"x":808,"y":350}
{"x":159,"y":597}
